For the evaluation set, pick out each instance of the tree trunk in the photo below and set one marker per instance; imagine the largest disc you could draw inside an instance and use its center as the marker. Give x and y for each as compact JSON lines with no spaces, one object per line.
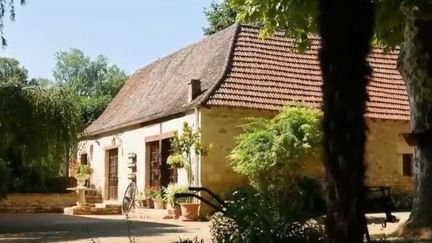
{"x":346,"y":29}
{"x":415,"y":65}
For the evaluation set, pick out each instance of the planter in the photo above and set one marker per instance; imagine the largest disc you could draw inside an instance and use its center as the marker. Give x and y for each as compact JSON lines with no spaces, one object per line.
{"x":174,"y":212}
{"x":189,"y":211}
{"x":142,"y":203}
{"x":158,"y":204}
{"x":149,"y":203}
{"x":81,"y":178}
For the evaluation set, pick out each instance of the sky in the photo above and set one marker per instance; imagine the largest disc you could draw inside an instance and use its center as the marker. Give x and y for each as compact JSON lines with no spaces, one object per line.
{"x":130,"y":33}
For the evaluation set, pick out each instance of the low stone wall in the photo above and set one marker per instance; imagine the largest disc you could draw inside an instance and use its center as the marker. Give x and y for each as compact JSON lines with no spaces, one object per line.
{"x":37,"y":202}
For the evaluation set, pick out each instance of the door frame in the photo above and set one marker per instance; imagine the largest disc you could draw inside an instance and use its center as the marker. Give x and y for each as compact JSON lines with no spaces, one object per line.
{"x":159,"y":140}
{"x":106,"y":195}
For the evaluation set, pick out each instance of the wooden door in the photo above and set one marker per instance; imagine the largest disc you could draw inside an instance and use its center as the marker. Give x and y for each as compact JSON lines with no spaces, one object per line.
{"x":155,"y":165}
{"x":113,"y":174}
{"x":169,"y":173}
{"x":160,"y":173}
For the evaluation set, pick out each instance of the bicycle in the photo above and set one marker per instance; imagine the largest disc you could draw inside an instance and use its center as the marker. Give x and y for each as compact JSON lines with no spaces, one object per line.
{"x":129,"y":198}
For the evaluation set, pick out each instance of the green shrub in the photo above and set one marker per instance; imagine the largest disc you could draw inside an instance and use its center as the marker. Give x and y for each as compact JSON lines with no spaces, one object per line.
{"x":194,"y":240}
{"x":253,"y":216}
{"x":402,"y":202}
{"x":170,"y":190}
{"x":271,"y":151}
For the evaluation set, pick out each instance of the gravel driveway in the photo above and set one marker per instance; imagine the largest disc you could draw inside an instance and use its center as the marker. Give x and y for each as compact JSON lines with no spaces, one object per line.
{"x":65,"y":228}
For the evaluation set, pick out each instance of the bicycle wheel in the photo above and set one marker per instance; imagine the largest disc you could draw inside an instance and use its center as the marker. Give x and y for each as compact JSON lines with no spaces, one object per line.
{"x":128,"y":198}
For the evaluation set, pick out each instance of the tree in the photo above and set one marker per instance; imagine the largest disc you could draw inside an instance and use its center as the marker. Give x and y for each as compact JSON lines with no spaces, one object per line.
{"x":415,"y":65}
{"x":12,"y":72}
{"x":183,"y":145}
{"x":219,"y":17}
{"x":7,"y":9}
{"x":95,"y":82}
{"x":398,"y":23}
{"x":39,"y":127}
{"x":346,"y":29}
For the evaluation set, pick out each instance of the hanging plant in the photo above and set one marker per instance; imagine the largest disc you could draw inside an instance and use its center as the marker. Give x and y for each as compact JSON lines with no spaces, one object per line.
{"x":177,"y":161}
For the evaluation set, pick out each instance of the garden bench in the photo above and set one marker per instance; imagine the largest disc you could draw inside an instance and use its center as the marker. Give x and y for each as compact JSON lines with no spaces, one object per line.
{"x":378,"y":199}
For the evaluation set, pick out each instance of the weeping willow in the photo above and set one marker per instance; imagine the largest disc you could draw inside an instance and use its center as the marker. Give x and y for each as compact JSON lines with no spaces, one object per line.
{"x":38,"y":131}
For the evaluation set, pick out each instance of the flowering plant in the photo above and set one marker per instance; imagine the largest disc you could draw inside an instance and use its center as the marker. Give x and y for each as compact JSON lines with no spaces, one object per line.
{"x":83,"y":170}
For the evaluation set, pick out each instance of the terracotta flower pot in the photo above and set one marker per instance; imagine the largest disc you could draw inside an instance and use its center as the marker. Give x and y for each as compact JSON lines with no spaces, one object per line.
{"x":149,"y":203}
{"x":189,"y":211}
{"x":158,"y":204}
{"x":174,"y":212}
{"x":142,"y":203}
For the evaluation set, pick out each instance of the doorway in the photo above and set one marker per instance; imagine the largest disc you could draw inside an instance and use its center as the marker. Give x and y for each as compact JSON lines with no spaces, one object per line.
{"x":161,"y":174}
{"x":113,"y":174}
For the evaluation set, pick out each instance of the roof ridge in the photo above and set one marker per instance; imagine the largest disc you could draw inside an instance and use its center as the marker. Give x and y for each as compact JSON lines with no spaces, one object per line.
{"x":227,"y":64}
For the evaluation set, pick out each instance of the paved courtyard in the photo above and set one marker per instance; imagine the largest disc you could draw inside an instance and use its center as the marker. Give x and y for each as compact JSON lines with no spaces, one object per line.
{"x":64,"y":228}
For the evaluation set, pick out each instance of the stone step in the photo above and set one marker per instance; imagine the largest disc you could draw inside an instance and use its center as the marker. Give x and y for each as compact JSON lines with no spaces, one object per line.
{"x":94,"y":209}
{"x":94,"y":199}
{"x":108,"y":205}
{"x":147,"y":213}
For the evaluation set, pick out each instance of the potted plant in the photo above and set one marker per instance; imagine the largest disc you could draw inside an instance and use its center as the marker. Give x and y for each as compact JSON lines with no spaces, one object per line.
{"x":183,"y":146}
{"x":173,"y":206}
{"x":148,"y":193}
{"x":177,"y":161}
{"x":141,"y":199}
{"x":82,"y":173}
{"x":158,"y":200}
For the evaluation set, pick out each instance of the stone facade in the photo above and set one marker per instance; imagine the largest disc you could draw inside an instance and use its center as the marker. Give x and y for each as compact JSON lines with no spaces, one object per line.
{"x":37,"y":202}
{"x":219,"y":127}
{"x":384,"y":150}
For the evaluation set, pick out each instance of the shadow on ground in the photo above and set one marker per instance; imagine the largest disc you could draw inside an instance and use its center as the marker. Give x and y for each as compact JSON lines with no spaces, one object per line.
{"x":59,"y":228}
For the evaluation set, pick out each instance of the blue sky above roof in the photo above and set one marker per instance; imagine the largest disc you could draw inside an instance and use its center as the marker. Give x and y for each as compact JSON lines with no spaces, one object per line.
{"x":130,"y":33}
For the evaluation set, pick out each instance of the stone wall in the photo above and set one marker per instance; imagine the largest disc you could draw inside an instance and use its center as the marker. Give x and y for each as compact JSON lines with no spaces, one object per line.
{"x":37,"y":202}
{"x":221,"y":125}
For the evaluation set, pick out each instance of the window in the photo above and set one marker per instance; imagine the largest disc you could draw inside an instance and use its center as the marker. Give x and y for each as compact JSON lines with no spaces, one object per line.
{"x":83,"y":159}
{"x":407,"y":164}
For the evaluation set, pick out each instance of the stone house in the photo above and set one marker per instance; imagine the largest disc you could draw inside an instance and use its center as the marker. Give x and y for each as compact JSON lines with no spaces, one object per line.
{"x":213,"y":85}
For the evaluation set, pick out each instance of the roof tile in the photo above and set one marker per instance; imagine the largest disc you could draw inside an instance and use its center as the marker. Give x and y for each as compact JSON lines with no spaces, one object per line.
{"x":268,"y":74}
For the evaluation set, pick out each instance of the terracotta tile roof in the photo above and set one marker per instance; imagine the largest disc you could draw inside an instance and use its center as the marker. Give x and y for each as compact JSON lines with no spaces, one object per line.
{"x":267,"y":74}
{"x":238,"y":69}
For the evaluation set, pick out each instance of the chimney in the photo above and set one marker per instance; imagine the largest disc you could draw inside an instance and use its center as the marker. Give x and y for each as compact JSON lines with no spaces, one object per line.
{"x":194,"y":89}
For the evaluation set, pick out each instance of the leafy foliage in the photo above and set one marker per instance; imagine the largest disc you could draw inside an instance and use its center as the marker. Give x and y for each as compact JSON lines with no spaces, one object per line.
{"x":402,"y":202}
{"x":219,"y":17}
{"x":83,"y":170}
{"x":7,"y":9}
{"x":95,"y":82}
{"x":253,"y":216}
{"x":183,"y":144}
{"x":170,"y":190}
{"x":12,"y":72}
{"x":270,"y":151}
{"x":177,"y":160}
{"x":38,"y":128}
{"x":299,"y":19}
